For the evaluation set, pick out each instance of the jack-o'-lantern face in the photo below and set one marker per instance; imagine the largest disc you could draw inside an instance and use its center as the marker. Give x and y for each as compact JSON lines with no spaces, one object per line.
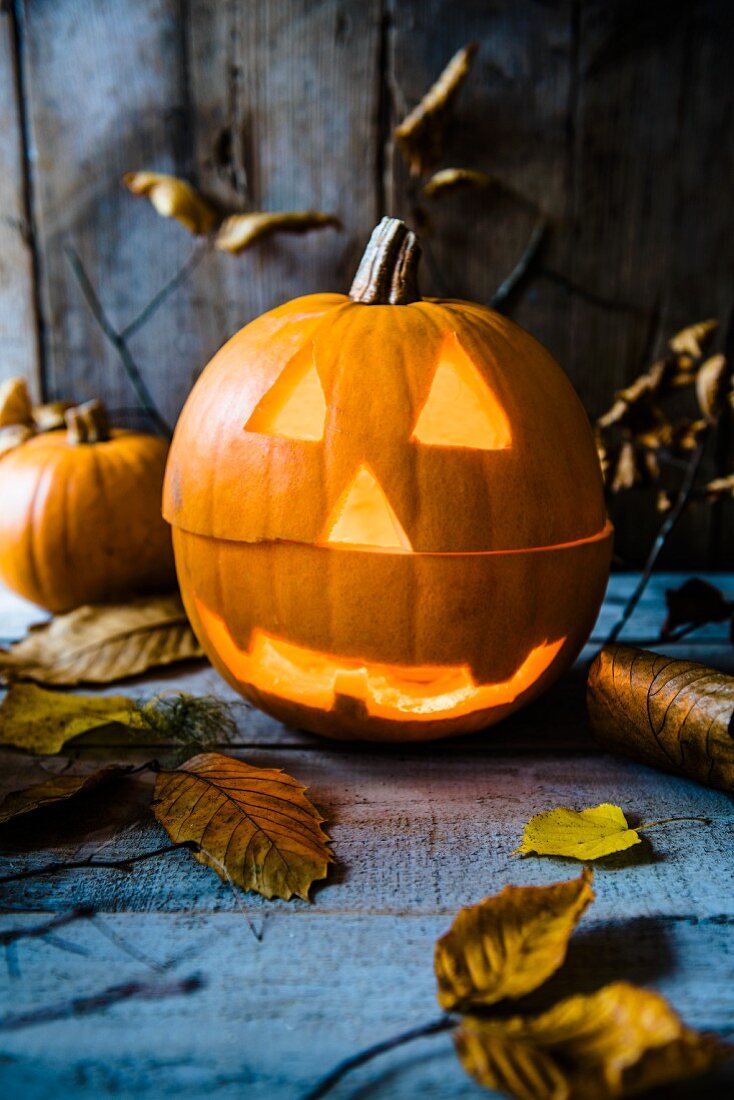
{"x":388,"y":519}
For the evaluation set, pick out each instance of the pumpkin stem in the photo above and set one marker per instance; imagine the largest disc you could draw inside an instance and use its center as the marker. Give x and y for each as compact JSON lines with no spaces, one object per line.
{"x":388,"y":271}
{"x":87,"y":423}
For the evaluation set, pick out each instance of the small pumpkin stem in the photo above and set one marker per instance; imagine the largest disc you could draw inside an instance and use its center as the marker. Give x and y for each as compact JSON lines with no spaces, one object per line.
{"x":87,"y":423}
{"x":388,"y":271}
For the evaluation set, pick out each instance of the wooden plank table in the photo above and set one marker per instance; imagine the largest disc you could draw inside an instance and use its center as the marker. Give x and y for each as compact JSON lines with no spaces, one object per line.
{"x":285,"y":990}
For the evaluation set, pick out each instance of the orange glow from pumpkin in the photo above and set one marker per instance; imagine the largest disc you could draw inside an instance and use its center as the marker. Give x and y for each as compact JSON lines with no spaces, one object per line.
{"x":294,"y":408}
{"x":363,"y":517}
{"x":398,"y":692}
{"x":461,"y":410}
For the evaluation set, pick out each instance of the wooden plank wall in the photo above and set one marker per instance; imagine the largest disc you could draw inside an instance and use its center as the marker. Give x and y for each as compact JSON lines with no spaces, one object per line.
{"x":612,"y":118}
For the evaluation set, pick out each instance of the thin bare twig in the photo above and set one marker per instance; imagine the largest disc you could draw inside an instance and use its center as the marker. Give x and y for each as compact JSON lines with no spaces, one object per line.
{"x":589,"y":295}
{"x":522,"y":267}
{"x":123,"y":865}
{"x":12,"y":935}
{"x":667,"y":527}
{"x":117,"y":341}
{"x":199,"y":252}
{"x":83,"y":1006}
{"x":326,"y":1084}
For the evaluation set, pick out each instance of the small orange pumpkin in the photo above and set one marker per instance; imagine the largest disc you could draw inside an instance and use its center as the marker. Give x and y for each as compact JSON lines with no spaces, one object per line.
{"x":80,"y":514}
{"x":388,"y":513}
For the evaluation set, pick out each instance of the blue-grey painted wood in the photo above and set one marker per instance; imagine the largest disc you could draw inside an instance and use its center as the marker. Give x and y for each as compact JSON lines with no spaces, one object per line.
{"x":417,"y":833}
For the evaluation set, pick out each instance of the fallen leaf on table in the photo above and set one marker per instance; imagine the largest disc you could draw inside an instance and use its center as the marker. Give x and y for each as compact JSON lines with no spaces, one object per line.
{"x":240,"y":231}
{"x":582,"y":834}
{"x":421,"y":136}
{"x":452,"y":179}
{"x":695,"y":603}
{"x":673,"y":714}
{"x":174,"y":198}
{"x":692,"y":339}
{"x":102,"y":643}
{"x":57,"y":788}
{"x":712,"y":382}
{"x":41,"y":721}
{"x":15,"y":403}
{"x":508,"y":944}
{"x":255,"y":826}
{"x":610,"y":1044}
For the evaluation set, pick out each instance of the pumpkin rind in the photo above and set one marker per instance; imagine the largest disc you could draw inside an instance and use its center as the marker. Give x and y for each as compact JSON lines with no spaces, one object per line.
{"x":81,"y":523}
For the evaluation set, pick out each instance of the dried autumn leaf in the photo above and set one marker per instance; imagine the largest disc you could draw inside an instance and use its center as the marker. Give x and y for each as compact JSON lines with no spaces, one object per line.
{"x":695,"y":603}
{"x":673,"y":714}
{"x":57,"y":788}
{"x":15,"y":403}
{"x":692,"y":339}
{"x":720,"y":488}
{"x":240,"y":231}
{"x":712,"y":381}
{"x":421,"y":136}
{"x":610,"y":1044}
{"x":633,"y":406}
{"x":101,"y":643}
{"x":12,"y":436}
{"x":581,"y":834}
{"x":41,"y":721}
{"x":174,"y":198}
{"x":508,"y":944}
{"x":254,"y":826}
{"x":49,"y":417}
{"x":452,"y":179}
{"x":630,"y":469}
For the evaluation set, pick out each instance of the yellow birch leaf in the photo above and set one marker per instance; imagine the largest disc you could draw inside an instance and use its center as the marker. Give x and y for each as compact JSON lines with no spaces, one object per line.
{"x":41,"y":721}
{"x":57,"y":788}
{"x":510,"y":943}
{"x":254,"y":826}
{"x":581,"y":834}
{"x":610,"y":1044}
{"x":174,"y":198}
{"x":101,"y":643}
{"x":240,"y":231}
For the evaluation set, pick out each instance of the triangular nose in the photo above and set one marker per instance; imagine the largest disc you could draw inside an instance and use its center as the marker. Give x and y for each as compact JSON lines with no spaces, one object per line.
{"x":363,"y":517}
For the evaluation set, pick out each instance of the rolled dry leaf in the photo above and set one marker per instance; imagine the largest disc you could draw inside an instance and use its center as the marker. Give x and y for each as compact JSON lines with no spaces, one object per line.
{"x":51,"y":416}
{"x":15,"y":403}
{"x":692,"y":339}
{"x":712,"y":382}
{"x":242,"y":230}
{"x":672,"y":714}
{"x":421,"y":136}
{"x":13,"y":435}
{"x":173,"y":198}
{"x":452,"y":179}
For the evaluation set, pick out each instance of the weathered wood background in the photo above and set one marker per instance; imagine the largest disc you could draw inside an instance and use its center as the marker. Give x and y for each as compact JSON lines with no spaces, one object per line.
{"x":612,"y":117}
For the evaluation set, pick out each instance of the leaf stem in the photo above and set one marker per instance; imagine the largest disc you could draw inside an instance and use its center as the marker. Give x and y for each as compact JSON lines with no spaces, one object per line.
{"x":326,"y":1084}
{"x":670,"y":821}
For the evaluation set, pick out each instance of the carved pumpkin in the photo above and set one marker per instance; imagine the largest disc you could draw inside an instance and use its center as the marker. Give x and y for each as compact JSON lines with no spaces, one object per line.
{"x":388,"y":512}
{"x":80,"y":514}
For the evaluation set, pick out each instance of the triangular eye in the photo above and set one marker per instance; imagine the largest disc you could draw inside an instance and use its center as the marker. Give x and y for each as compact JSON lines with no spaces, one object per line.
{"x":461,"y":410}
{"x":294,"y":407}
{"x":363,"y":517}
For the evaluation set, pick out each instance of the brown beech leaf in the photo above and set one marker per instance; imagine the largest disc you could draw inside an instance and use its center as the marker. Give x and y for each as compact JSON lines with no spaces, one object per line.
{"x":12,"y":436}
{"x":240,"y":231}
{"x":421,"y":136}
{"x":692,"y":340}
{"x":254,"y":826}
{"x":508,"y":944}
{"x":57,"y":788}
{"x":673,"y":714}
{"x":712,"y":382}
{"x":614,"y":1043}
{"x":580,"y":834}
{"x":41,"y":721}
{"x":720,"y":488}
{"x":454,"y":179}
{"x":101,"y":643}
{"x":174,"y":198}
{"x":15,"y":403}
{"x":631,"y":468}
{"x":696,"y":602}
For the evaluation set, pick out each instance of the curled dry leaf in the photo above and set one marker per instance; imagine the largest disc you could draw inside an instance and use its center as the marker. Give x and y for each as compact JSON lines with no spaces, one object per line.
{"x":101,"y":643}
{"x":692,"y":340}
{"x":49,"y":417}
{"x":240,"y":231}
{"x":12,"y":437}
{"x":721,"y":488}
{"x":695,"y":603}
{"x":581,"y":834}
{"x":675,"y":715}
{"x":254,"y":826}
{"x":631,"y":468}
{"x":610,"y":1044}
{"x":174,"y":198}
{"x":57,"y":788}
{"x":15,"y":403}
{"x":421,"y":136}
{"x":41,"y":721}
{"x":712,"y":382}
{"x":453,"y":179}
{"x":508,"y":944}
